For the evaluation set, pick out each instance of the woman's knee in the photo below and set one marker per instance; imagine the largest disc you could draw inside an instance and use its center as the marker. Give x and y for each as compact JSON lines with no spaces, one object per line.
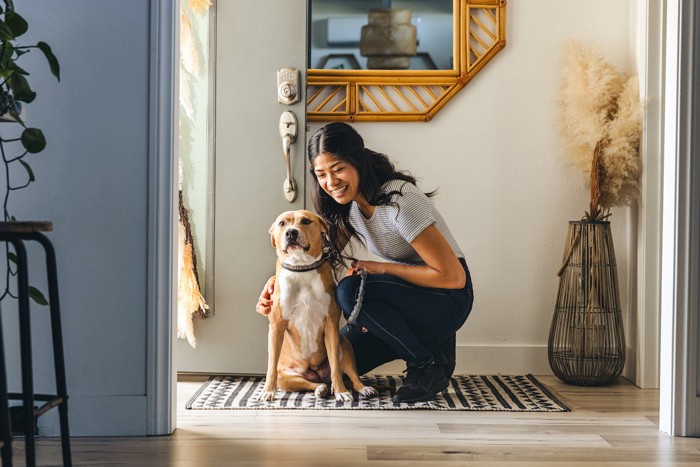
{"x":346,"y":293}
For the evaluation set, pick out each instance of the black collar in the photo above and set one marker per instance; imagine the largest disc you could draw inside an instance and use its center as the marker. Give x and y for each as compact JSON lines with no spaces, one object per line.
{"x":304,"y":267}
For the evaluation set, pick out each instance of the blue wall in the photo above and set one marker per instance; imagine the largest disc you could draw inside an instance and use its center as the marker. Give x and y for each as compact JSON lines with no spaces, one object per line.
{"x":92,"y":184}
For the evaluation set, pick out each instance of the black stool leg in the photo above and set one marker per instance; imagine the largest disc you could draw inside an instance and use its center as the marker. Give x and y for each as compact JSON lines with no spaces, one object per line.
{"x":59,"y":362}
{"x":25,"y":350}
{"x":5,"y":432}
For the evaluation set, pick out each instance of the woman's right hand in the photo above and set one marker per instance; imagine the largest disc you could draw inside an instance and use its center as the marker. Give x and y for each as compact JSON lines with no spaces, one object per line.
{"x":264,"y":305}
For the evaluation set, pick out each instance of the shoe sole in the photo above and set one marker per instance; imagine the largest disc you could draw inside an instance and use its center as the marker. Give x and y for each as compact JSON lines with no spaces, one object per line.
{"x":426,"y":397}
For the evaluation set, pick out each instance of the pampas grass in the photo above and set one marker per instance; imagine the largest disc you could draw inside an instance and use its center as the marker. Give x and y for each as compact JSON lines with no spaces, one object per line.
{"x":200,"y":6}
{"x":600,"y":121}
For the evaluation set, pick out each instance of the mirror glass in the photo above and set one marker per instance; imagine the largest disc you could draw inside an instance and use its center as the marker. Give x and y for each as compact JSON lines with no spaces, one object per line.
{"x":397,"y":35}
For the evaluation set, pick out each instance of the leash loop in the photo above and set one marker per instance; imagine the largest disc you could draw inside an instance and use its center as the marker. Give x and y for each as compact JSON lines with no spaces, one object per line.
{"x":360,"y":296}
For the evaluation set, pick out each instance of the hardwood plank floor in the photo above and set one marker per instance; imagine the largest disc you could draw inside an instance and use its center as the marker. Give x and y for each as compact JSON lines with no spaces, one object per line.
{"x":609,"y":426}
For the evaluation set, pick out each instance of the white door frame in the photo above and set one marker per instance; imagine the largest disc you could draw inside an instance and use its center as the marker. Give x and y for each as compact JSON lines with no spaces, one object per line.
{"x":162,"y":216}
{"x":679,"y":326}
{"x":679,"y":413}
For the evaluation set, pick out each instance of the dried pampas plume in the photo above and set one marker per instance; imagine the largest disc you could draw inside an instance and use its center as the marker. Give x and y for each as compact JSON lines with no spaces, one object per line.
{"x":600,"y":120}
{"x":200,"y":5}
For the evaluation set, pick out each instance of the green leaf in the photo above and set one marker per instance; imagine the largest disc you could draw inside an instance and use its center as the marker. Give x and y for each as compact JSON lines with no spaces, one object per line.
{"x":16,"y":23}
{"x":6,"y":32}
{"x":9,"y":6}
{"x":36,"y":295}
{"x":20,"y":88}
{"x":14,"y":67}
{"x":29,"y":170}
{"x":12,"y":257}
{"x":51,"y":58}
{"x":33,"y":140}
{"x":6,"y":52}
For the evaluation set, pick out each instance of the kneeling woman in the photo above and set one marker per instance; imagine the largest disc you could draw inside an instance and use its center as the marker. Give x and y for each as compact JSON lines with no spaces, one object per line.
{"x":415,"y":300}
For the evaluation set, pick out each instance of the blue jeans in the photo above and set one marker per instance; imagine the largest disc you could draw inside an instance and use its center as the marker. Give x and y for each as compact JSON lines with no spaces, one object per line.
{"x":402,"y":320}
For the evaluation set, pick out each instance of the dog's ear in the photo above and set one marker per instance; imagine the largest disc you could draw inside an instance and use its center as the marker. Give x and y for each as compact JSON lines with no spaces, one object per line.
{"x":272,"y":234}
{"x":324,"y":224}
{"x":325,"y":233}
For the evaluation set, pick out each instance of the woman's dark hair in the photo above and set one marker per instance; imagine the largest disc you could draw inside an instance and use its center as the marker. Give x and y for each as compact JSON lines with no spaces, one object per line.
{"x":342,"y":141}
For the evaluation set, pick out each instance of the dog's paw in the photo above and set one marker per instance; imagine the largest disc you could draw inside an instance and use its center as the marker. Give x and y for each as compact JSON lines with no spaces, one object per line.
{"x":368,"y":391}
{"x":322,"y":391}
{"x":267,"y":396}
{"x":343,"y":396}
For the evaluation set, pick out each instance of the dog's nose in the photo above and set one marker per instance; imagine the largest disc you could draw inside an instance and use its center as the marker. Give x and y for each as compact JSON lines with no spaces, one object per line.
{"x":291,"y":234}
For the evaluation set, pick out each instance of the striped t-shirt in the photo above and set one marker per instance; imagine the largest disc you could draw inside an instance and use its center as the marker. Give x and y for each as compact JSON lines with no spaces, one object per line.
{"x":391,"y":229}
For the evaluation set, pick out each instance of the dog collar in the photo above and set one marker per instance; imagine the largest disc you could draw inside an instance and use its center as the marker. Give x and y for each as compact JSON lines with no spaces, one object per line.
{"x":304,"y":267}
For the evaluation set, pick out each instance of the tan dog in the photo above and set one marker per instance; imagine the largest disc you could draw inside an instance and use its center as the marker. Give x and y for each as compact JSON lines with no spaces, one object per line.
{"x":305,"y":348}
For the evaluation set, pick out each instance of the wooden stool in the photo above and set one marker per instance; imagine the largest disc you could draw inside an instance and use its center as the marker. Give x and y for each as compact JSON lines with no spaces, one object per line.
{"x":17,"y":233}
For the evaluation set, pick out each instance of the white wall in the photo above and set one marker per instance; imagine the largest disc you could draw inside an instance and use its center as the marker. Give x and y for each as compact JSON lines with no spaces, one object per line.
{"x":92,"y":184}
{"x":505,"y":188}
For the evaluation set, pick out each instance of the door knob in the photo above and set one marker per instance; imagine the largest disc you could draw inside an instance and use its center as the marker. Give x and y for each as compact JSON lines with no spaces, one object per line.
{"x":288,"y":133}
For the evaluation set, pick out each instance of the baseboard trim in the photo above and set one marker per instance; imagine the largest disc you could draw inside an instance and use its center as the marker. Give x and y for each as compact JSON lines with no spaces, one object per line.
{"x":631,"y":371}
{"x":100,"y":416}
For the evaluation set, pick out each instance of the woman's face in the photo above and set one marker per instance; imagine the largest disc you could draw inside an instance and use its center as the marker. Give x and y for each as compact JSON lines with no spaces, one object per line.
{"x":338,"y":178}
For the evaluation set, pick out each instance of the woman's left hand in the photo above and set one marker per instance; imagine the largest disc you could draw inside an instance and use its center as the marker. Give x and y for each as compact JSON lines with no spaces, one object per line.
{"x":372,"y":267}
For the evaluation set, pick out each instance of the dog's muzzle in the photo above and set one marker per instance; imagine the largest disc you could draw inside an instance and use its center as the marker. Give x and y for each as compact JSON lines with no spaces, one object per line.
{"x":291,"y":239}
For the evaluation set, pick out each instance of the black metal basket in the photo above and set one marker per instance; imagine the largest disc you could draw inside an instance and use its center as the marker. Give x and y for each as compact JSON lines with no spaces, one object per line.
{"x":586,"y":343}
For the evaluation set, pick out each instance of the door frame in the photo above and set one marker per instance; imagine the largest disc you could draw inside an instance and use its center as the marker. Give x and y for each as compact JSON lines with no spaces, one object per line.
{"x":679,"y":403}
{"x":676,"y":339}
{"x":162,"y":217}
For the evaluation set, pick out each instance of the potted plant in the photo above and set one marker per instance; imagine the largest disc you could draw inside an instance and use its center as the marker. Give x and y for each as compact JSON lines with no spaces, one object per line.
{"x":18,"y":141}
{"x":600,"y":122}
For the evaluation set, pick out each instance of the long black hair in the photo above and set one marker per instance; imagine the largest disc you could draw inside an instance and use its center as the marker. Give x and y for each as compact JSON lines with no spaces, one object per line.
{"x":342,"y":141}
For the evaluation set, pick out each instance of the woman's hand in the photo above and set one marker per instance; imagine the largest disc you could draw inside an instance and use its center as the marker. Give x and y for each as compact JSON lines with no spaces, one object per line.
{"x":264,"y":306}
{"x":372,"y":267}
{"x":441,"y":269}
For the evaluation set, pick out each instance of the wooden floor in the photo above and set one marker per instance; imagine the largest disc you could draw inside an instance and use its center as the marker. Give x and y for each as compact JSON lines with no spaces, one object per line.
{"x":609,"y":426}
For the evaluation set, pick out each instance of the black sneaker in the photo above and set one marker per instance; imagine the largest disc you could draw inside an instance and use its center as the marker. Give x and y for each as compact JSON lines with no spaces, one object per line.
{"x":422,"y":382}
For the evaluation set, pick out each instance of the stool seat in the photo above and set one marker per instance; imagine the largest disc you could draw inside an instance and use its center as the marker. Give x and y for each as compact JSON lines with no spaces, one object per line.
{"x":25,"y":226}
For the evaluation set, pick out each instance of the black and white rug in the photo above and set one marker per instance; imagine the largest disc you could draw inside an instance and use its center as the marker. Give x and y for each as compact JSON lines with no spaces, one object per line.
{"x":505,"y":393}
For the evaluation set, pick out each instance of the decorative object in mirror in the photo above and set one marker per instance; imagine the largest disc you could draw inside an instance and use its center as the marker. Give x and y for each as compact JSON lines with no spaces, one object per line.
{"x":389,"y":39}
{"x":601,"y":122}
{"x":418,"y":91}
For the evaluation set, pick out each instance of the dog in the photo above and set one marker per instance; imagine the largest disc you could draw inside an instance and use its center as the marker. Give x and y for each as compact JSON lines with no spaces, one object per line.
{"x":306,"y":351}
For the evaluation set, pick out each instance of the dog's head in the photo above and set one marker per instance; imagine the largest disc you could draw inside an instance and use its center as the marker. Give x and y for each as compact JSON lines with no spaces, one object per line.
{"x":299,"y":237}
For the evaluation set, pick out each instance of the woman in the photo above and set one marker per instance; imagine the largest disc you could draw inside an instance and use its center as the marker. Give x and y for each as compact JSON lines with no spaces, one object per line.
{"x":415,"y":300}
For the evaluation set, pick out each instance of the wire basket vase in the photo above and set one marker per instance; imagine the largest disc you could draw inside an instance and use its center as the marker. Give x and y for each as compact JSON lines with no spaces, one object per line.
{"x":586,"y":343}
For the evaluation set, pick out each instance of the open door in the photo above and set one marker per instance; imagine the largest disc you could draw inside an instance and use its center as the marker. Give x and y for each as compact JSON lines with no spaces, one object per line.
{"x":254,"y":40}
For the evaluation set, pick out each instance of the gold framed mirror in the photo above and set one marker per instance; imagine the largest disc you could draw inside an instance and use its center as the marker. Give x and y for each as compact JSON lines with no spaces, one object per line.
{"x":344,"y":93}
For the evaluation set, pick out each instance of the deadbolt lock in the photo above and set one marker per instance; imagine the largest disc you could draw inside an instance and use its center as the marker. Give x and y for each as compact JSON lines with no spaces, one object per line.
{"x":288,"y":86}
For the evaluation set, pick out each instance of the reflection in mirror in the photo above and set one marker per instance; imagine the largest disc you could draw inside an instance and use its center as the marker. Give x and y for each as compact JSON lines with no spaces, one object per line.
{"x":350,"y":86}
{"x":381,"y":34}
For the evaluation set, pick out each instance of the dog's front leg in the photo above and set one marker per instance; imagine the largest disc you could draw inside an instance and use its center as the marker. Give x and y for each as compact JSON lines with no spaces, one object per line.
{"x":274,"y":348}
{"x":331,"y":338}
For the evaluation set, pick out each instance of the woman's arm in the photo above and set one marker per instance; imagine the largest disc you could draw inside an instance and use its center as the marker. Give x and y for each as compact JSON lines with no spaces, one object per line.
{"x":442,"y":268}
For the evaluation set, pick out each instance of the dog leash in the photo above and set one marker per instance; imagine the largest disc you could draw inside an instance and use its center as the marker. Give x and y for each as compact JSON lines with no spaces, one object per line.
{"x":360,"y":296}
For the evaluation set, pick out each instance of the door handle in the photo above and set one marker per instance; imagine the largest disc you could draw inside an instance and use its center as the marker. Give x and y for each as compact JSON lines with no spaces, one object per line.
{"x":288,"y":133}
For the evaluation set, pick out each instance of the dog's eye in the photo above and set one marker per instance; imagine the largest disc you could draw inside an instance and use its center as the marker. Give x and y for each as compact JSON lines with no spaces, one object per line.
{"x":305,"y":221}
{"x":281,"y":224}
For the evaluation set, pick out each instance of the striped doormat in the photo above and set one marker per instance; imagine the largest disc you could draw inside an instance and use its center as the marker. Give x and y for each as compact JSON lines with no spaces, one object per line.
{"x":504,"y":393}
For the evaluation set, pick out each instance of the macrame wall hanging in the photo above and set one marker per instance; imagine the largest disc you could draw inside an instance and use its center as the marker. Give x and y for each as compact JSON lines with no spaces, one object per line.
{"x":190,"y":301}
